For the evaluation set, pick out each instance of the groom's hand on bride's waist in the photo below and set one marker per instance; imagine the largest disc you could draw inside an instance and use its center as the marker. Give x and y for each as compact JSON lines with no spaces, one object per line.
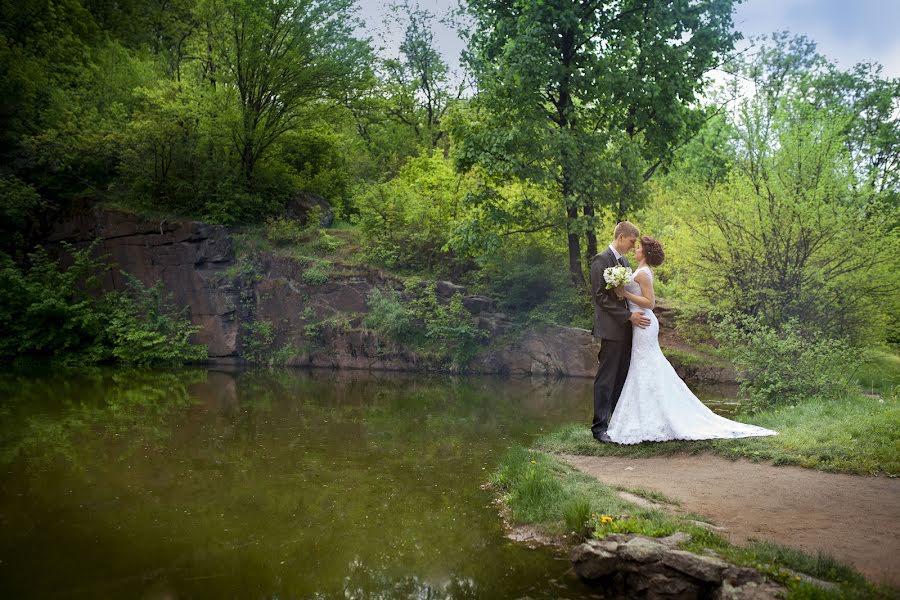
{"x":638,"y":318}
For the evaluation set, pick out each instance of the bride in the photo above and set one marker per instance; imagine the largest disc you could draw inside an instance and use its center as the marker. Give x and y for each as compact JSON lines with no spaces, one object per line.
{"x":655,"y":404}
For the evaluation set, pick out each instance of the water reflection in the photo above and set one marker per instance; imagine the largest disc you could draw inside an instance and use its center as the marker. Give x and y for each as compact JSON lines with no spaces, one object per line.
{"x":274,"y":484}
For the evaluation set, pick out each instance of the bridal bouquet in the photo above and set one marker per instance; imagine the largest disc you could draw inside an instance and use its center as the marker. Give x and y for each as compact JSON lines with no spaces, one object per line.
{"x":616,"y":276}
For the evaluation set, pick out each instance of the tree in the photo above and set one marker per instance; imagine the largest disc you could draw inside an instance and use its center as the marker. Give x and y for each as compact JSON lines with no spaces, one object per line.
{"x":792,"y":228}
{"x":419,"y":86}
{"x":570,"y":91}
{"x":281,"y":56}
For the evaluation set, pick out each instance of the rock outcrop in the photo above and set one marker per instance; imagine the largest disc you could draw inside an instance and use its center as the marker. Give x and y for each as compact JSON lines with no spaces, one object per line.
{"x":188,"y":257}
{"x":314,"y":324}
{"x":635,"y":566}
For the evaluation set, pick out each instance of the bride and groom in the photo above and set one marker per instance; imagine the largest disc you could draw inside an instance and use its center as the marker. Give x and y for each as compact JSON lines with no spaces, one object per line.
{"x":638,"y":396}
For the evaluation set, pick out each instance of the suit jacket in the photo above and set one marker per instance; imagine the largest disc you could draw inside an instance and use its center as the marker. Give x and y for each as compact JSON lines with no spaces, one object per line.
{"x":611,"y":313}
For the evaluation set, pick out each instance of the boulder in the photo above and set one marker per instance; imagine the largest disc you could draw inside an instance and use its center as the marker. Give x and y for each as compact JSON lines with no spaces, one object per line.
{"x":478,"y":304}
{"x":301,"y":203}
{"x":445,"y":290}
{"x":636,"y":566}
{"x":550,"y":350}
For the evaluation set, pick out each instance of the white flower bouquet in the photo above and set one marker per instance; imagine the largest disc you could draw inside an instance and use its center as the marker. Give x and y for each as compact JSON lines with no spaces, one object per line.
{"x":616,"y":276}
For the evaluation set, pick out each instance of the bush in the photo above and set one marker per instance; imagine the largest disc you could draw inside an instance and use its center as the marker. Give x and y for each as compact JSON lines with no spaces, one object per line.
{"x":389,"y":316}
{"x":146,"y":329}
{"x":317,"y":274}
{"x":786,"y":365}
{"x":451,"y":334}
{"x":60,"y":314}
{"x":51,"y":313}
{"x":282,"y":231}
{"x":443,"y":333}
{"x":527,"y":280}
{"x":405,"y":223}
{"x":256,"y":342}
{"x":19,"y":207}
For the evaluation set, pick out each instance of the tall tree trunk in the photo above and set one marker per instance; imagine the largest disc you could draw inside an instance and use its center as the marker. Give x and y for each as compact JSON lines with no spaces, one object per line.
{"x":248,"y":162}
{"x":591,"y":235}
{"x":575,"y":270}
{"x":575,"y":252}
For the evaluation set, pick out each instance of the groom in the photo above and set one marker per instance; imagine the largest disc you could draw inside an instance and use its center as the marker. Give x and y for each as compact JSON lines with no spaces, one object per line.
{"x":612,"y":324}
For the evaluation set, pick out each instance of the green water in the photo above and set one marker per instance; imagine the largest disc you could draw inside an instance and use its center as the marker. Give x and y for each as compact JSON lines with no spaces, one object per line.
{"x":273,"y":484}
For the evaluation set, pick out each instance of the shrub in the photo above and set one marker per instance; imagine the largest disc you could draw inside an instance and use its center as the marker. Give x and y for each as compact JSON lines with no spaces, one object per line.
{"x":405,"y":222}
{"x":60,"y":314}
{"x":389,"y":316}
{"x":256,"y":343}
{"x":451,"y":333}
{"x":528,"y":280}
{"x":443,"y":333}
{"x":786,"y":365}
{"x":282,"y":231}
{"x":145,"y":328}
{"x":49,"y":312}
{"x":317,"y":274}
{"x":19,"y":207}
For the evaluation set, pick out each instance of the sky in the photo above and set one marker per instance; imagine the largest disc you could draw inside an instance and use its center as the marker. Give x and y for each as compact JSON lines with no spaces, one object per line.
{"x":845,"y":31}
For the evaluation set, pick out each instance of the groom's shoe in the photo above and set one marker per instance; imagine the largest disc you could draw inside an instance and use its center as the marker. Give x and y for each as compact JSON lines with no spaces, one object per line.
{"x":603,"y":437}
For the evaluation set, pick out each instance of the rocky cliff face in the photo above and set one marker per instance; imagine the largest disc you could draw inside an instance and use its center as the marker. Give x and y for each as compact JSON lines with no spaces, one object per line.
{"x":312,"y":324}
{"x":189,"y":258}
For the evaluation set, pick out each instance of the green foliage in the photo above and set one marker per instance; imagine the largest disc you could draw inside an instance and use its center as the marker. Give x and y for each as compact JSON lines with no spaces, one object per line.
{"x":391,"y":317}
{"x":406,"y":222}
{"x":145,"y":328}
{"x":20,"y":205}
{"x":783,"y":220}
{"x":449,"y":329}
{"x":283,"y":231}
{"x":443,"y":333}
{"x":785,"y":365}
{"x":565,"y":100}
{"x":59,"y":314}
{"x":880,"y":372}
{"x":316,"y":274}
{"x":50,"y":312}
{"x":298,"y":51}
{"x":256,"y":341}
{"x":527,"y":281}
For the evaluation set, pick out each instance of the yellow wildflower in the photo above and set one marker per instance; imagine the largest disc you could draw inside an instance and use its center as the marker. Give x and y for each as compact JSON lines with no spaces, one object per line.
{"x":604,"y":519}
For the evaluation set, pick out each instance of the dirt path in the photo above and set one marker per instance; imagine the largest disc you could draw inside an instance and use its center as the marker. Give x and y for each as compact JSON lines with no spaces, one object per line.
{"x":855,"y":519}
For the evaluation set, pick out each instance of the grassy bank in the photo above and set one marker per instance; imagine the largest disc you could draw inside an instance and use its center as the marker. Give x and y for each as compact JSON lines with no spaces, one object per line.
{"x":855,"y":435}
{"x":539,"y":490}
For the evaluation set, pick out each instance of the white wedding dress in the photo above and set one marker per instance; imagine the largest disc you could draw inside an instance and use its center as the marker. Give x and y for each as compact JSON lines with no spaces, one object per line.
{"x":655,"y":404}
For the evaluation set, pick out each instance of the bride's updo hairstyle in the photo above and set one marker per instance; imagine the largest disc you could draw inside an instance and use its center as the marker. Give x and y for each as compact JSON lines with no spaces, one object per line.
{"x":653,"y":251}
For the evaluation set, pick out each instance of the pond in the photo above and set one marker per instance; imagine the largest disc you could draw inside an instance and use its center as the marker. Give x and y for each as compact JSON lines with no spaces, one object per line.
{"x":270,"y":484}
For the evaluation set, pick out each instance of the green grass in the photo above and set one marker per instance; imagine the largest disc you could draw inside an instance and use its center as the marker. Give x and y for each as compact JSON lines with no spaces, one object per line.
{"x":881,"y":373}
{"x":683,"y":357}
{"x":542,"y":491}
{"x":855,"y":435}
{"x":651,"y":495}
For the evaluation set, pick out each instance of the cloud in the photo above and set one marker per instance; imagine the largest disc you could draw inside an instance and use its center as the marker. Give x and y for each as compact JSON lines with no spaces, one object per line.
{"x":846,"y":33}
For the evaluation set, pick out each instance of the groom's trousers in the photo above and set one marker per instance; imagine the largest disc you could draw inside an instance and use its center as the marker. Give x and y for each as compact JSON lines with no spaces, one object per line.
{"x":614,"y":358}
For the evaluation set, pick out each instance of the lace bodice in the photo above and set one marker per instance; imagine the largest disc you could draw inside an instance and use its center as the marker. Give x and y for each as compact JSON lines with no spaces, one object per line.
{"x":635,"y":288}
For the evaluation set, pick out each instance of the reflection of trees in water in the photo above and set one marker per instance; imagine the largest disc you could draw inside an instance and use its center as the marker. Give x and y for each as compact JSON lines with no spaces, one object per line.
{"x":366,"y":582}
{"x":275,"y":482}
{"x":74,"y":416}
